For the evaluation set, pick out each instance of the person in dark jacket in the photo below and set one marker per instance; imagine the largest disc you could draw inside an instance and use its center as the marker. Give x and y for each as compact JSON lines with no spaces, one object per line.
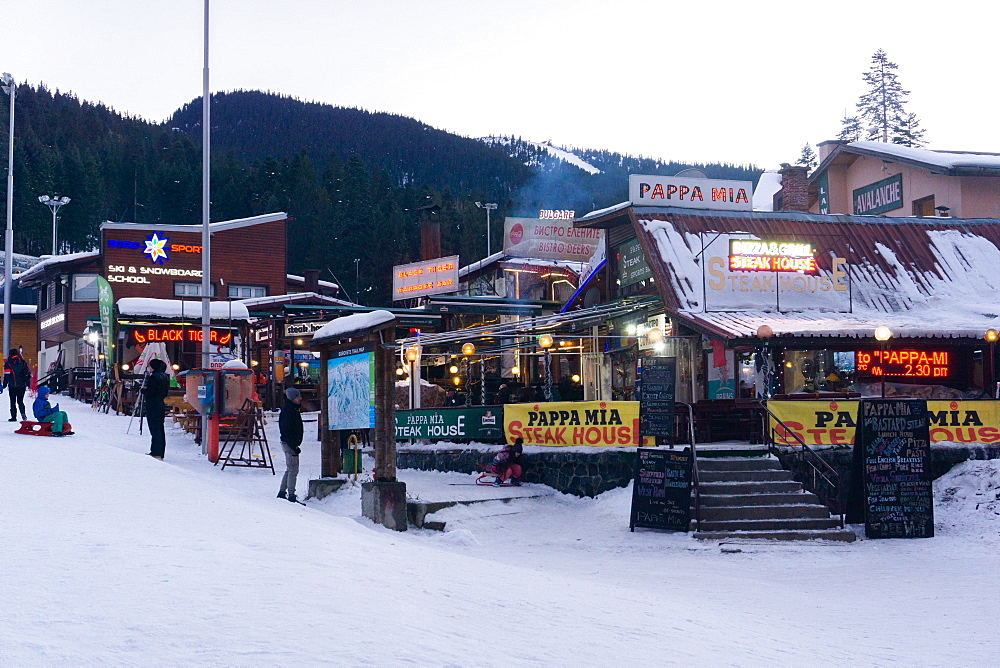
{"x":503,"y":394}
{"x":154,"y":391}
{"x":290,"y":428}
{"x":16,"y":378}
{"x":44,"y":412}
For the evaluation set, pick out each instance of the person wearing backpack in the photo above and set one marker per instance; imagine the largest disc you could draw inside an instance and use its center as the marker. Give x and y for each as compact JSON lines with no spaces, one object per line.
{"x":16,"y":379}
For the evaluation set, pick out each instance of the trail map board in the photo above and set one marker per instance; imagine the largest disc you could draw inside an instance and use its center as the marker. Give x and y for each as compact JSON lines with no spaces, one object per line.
{"x":661,"y":490}
{"x":894,"y":438}
{"x":656,"y":397}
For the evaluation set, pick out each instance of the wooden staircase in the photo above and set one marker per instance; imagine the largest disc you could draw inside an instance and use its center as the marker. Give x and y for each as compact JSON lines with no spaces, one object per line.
{"x":753,"y":497}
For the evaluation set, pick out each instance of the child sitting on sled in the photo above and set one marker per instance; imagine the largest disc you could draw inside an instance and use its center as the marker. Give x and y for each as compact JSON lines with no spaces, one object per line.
{"x":46,"y":413}
{"x":507,"y":463}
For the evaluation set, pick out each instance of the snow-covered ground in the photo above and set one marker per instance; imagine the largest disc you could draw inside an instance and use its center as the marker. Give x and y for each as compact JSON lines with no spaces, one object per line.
{"x":108,"y":556}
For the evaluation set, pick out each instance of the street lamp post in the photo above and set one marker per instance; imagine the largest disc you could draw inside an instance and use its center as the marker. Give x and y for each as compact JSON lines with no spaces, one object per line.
{"x":991,"y":337}
{"x":54,"y":203}
{"x":11,"y":89}
{"x":468,"y":350}
{"x":489,"y":206}
{"x":546,"y":341}
{"x":882,"y":335}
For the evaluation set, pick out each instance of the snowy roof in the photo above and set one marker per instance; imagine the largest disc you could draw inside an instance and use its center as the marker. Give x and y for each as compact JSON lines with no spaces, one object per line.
{"x":575,"y":267}
{"x":20,"y":309}
{"x":763,"y":195}
{"x":54,"y":260}
{"x":177,"y":308}
{"x":302,"y":279}
{"x":603,"y":212}
{"x":254,"y":302}
{"x":949,"y":162}
{"x":213,"y":227}
{"x":920,"y":277}
{"x":348,"y":325}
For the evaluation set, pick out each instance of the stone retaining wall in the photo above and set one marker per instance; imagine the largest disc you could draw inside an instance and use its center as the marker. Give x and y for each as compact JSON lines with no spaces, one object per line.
{"x":581,"y":474}
{"x":586,"y":474}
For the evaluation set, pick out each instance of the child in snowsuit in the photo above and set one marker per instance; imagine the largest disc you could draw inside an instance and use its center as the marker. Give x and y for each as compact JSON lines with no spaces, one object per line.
{"x":507,"y":463}
{"x":46,"y":413}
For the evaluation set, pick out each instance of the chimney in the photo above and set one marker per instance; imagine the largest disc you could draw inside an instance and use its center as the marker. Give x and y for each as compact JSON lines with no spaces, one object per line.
{"x":794,"y":193}
{"x":827,"y":147}
{"x":312,"y":280}
{"x":430,"y":232}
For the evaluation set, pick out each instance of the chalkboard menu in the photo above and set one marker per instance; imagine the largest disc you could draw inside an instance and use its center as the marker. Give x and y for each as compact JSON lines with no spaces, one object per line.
{"x":661,"y":490}
{"x":893,"y":435}
{"x":656,"y":397}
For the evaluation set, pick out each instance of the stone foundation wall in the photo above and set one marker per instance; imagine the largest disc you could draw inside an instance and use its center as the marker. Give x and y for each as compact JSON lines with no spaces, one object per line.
{"x":581,"y":474}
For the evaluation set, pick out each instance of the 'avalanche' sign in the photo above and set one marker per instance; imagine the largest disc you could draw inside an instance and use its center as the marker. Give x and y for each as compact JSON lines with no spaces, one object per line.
{"x":689,"y":193}
{"x":879,"y":197}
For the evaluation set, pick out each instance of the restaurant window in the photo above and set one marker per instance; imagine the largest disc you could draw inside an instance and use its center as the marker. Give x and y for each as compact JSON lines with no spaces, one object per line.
{"x":247,"y":291}
{"x":182,"y":289}
{"x":818,"y":371}
{"x":85,"y":288}
{"x":924,"y":206}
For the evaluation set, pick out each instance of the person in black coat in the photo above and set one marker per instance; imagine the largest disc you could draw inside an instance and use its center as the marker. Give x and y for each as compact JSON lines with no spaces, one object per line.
{"x":16,"y":378}
{"x":154,"y":391}
{"x":290,"y":428}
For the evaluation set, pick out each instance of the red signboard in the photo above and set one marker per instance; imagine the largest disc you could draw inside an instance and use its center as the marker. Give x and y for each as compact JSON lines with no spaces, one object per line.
{"x":753,"y":255}
{"x":904,"y":363}
{"x":183,"y":334}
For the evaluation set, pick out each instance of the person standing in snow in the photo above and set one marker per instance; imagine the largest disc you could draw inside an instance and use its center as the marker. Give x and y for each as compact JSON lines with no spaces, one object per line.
{"x":507,"y":463}
{"x":154,"y":391}
{"x":290,"y":428}
{"x":16,"y":378}
{"x":46,"y":413}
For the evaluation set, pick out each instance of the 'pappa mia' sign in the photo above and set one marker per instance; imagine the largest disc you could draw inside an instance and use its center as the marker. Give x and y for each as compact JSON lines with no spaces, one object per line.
{"x":597,"y":423}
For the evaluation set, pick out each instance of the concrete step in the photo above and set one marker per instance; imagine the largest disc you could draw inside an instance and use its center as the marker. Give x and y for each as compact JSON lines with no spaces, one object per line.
{"x":740,"y":513}
{"x":738,"y":464}
{"x":772,"y":524}
{"x":842,"y":535}
{"x":767,"y":475}
{"x":751,"y":487}
{"x":791,"y":498}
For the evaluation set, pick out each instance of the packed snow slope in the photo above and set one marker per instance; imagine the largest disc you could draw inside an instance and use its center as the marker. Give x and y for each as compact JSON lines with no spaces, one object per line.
{"x":108,"y":556}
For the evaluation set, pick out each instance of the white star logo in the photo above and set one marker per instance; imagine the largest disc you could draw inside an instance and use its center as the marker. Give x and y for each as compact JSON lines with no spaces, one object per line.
{"x":155,"y":248}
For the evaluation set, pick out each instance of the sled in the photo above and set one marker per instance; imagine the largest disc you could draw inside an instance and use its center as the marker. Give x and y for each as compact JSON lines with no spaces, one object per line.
{"x":486,"y":479}
{"x":40,"y":428}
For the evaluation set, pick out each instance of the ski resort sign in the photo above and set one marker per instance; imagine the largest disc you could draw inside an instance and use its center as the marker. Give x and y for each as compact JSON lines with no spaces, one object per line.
{"x":689,"y":193}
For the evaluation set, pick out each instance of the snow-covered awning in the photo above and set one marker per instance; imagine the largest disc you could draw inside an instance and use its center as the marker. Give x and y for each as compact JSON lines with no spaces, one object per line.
{"x":53,"y":260}
{"x":177,"y":308}
{"x":342,"y":328}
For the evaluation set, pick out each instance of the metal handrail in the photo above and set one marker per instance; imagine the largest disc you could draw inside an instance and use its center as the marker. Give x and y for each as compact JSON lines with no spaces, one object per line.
{"x":694,"y":465}
{"x":825,"y":472}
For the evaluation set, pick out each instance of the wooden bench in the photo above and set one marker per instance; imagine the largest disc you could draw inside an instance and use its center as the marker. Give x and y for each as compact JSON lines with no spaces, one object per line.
{"x":31,"y":428}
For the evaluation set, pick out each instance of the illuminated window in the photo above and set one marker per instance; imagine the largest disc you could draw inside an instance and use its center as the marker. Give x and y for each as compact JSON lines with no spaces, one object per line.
{"x":85,"y":288}
{"x":189,"y":289}
{"x":247,"y":291}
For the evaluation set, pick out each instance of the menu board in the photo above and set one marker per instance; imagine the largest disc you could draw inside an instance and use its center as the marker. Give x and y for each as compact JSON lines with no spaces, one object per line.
{"x":893,"y":435}
{"x":661,"y":490}
{"x":656,"y":397}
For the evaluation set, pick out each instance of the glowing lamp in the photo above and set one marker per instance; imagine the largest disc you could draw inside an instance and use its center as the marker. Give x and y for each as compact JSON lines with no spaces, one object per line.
{"x":298,"y":342}
{"x":399,"y":371}
{"x":546,"y":340}
{"x":883,"y":333}
{"x":456,"y":380}
{"x":516,"y":370}
{"x":654,"y":335}
{"x":175,"y":367}
{"x":576,"y":378}
{"x":991,"y":335}
{"x":453,"y":369}
{"x":411,"y":353}
{"x":125,"y":367}
{"x":765,"y":332}
{"x":468,"y":349}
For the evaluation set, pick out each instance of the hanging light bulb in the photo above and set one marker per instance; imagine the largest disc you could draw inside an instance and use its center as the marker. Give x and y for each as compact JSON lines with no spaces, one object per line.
{"x":545,"y":340}
{"x":468,"y":349}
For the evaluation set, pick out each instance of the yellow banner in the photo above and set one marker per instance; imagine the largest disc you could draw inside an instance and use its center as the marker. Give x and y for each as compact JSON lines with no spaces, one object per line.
{"x":833,"y":422}
{"x":596,"y":423}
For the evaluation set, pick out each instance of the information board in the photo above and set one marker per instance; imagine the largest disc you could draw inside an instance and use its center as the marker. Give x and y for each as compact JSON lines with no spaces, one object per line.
{"x":431,"y":423}
{"x":656,"y":397}
{"x":661,"y":490}
{"x":894,"y":438}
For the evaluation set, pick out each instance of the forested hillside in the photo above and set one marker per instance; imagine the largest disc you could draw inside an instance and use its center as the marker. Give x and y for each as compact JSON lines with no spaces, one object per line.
{"x":351,"y":180}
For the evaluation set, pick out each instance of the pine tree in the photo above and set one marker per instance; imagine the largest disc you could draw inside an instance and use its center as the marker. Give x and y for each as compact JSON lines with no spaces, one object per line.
{"x":882,"y":107}
{"x":906,"y":131}
{"x":850,"y":129}
{"x":808,"y":157}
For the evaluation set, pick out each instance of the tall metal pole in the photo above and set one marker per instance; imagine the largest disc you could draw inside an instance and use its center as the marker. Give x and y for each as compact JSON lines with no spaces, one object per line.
{"x":8,"y":239}
{"x":206,"y":234}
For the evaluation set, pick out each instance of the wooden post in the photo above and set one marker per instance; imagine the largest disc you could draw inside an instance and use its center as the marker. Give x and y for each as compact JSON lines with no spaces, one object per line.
{"x":330,"y":440}
{"x":385,"y":411}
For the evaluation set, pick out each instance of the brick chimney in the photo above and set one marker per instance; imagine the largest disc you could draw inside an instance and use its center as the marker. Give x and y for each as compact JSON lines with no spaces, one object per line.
{"x":794,"y":193}
{"x":312,"y":280}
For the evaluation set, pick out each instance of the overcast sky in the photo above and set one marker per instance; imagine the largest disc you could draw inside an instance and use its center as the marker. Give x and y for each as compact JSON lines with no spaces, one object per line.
{"x":731,"y":82}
